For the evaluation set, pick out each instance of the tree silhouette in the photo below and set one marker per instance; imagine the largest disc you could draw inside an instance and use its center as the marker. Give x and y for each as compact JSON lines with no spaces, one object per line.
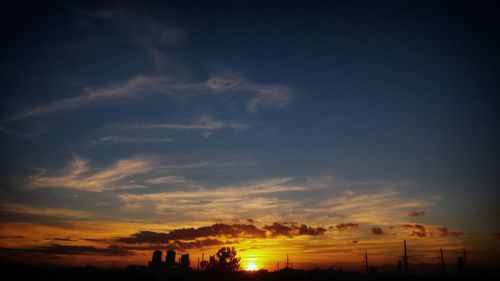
{"x":224,"y":260}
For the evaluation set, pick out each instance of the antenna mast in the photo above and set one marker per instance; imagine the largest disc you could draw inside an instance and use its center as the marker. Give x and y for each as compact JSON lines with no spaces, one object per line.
{"x":366,"y":262}
{"x":443,"y":268}
{"x":405,"y":259}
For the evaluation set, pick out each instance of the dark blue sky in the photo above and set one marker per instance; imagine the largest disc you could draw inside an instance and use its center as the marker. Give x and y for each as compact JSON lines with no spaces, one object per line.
{"x":103,"y":99}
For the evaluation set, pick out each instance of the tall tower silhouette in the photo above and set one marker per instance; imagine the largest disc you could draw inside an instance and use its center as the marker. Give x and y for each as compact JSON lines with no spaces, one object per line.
{"x":155,"y":262}
{"x":185,"y":262}
{"x":170,"y":258}
{"x":156,"y":257}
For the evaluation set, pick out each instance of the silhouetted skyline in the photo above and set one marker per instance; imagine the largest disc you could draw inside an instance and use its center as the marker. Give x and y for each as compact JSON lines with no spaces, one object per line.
{"x":224,"y":265}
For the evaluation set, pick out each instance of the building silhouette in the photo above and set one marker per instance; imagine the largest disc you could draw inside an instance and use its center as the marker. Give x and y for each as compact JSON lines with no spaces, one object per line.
{"x":185,"y":261}
{"x":170,"y":258}
{"x":157,"y":256}
{"x":169,"y":264}
{"x":156,"y":259}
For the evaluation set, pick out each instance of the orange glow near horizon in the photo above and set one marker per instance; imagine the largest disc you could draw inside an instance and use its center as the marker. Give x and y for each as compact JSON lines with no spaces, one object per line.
{"x":332,"y":249}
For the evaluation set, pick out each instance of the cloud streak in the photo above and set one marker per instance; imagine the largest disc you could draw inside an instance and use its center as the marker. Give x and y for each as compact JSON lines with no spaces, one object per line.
{"x":366,"y":208}
{"x":80,"y":176}
{"x":167,"y":180}
{"x":124,"y":139}
{"x":263,"y":187}
{"x":417,"y":214}
{"x":58,"y":249}
{"x":205,"y":124}
{"x":264,"y":95}
{"x":135,"y":86}
{"x":262,"y":198}
{"x":44,"y":212}
{"x":261,"y":95}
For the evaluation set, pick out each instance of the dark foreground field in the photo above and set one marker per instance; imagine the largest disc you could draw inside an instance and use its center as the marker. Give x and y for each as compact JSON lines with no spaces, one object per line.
{"x":36,"y":273}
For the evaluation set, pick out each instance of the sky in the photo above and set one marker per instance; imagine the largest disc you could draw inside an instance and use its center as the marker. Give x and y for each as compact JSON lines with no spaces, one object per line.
{"x":317,"y":130}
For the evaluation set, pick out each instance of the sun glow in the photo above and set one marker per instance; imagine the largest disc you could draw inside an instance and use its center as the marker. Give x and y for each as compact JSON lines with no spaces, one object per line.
{"x":251,"y":267}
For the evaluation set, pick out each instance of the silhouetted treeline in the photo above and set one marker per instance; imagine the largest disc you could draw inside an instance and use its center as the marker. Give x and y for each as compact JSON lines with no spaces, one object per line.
{"x":17,"y":271}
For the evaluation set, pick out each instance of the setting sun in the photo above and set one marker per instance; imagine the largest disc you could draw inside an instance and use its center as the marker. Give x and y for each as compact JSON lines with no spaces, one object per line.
{"x":251,"y":267}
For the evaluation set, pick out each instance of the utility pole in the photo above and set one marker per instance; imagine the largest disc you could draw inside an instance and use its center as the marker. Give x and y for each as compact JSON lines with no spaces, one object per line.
{"x":366,"y":263}
{"x":405,"y":259}
{"x":287,"y":262}
{"x":443,"y":268}
{"x":464,"y":253}
{"x":278,"y":265}
{"x":465,"y":261}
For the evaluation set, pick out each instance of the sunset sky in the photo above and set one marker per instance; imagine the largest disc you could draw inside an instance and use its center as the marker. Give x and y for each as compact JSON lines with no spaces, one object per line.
{"x":309,"y":129}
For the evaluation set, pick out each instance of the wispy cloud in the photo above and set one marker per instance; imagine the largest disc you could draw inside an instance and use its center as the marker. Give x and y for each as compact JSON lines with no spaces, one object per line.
{"x":280,"y":199}
{"x":168,"y":180}
{"x":43,"y":211}
{"x":264,"y":187}
{"x":80,"y":176}
{"x":417,"y":214}
{"x":58,"y":249}
{"x":124,"y":139}
{"x":139,"y":172}
{"x":144,"y":30}
{"x":138,"y":85}
{"x":206,"y":124}
{"x":261,"y":199}
{"x":263,"y":95}
{"x":368,"y":207}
